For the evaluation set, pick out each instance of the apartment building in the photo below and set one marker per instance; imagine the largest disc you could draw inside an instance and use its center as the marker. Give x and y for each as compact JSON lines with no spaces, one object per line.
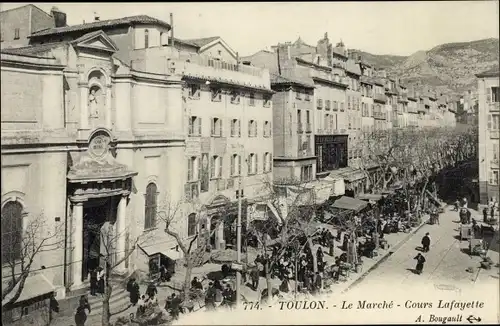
{"x":379,"y":105}
{"x":413,"y":115}
{"x":367,"y":104}
{"x":402,"y":106}
{"x":489,"y":129}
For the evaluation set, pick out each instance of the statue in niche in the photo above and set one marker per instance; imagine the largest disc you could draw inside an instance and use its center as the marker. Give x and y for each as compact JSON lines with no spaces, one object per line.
{"x":95,"y":102}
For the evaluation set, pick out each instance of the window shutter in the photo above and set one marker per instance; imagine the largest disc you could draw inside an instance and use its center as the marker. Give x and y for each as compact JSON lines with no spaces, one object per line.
{"x":256,"y":163}
{"x":212,"y":131}
{"x":233,"y":125}
{"x":489,"y":121}
{"x":190,"y":125}
{"x":239,"y":164}
{"x":256,"y":127}
{"x":212,"y":166}
{"x":239,"y":128}
{"x":249,"y":164}
{"x":190,"y":169}
{"x":198,"y":160}
{"x":220,"y":166}
{"x":220,"y":128}
{"x":199,"y":126}
{"x":233,"y":165}
{"x":491,"y":176}
{"x":250,"y":128}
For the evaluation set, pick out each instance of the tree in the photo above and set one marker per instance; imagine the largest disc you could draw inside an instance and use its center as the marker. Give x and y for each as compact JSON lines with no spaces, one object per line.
{"x":113,"y":258}
{"x":294,"y":202}
{"x":193,"y":249}
{"x":36,"y":238}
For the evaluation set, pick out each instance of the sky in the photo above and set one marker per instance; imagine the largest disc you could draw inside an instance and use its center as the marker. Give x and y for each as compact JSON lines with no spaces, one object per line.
{"x":398,"y":28}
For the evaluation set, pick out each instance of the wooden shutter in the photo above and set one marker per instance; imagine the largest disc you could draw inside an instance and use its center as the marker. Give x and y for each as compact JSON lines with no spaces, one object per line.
{"x":490,"y":177}
{"x":212,"y":130}
{"x":489,"y":121}
{"x":220,"y":166}
{"x":256,"y":163}
{"x":190,"y":169}
{"x":239,"y":128}
{"x":199,"y":126}
{"x":249,"y":165}
{"x":233,"y":126}
{"x":233,"y":165}
{"x":250,"y":128}
{"x":220,"y":128}
{"x":212,"y":166}
{"x":198,"y":160}
{"x":239,"y":164}
{"x":190,"y":125}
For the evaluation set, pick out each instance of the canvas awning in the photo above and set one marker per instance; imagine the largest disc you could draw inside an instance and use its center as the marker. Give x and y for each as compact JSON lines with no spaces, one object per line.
{"x":375,"y":197}
{"x":35,"y":286}
{"x":161,"y":248}
{"x":349,"y":203}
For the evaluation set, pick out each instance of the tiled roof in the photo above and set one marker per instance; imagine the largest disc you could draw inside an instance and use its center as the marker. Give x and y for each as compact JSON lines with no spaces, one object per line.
{"x":493,"y":72}
{"x":34,"y":50}
{"x":201,"y":42}
{"x":281,"y":80}
{"x":132,"y":20}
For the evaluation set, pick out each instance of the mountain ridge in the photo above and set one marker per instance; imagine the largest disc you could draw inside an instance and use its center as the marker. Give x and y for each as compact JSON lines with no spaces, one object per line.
{"x":449,"y":68}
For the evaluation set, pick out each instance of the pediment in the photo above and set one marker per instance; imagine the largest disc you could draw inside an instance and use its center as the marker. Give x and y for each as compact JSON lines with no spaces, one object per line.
{"x":97,"y":40}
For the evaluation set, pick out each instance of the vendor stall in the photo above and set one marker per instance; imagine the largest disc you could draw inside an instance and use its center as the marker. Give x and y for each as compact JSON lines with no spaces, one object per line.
{"x":465,"y":232}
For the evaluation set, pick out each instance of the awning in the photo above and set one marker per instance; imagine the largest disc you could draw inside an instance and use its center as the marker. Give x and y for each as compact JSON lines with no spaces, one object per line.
{"x":354,"y":176}
{"x":35,"y":286}
{"x":349,"y":203}
{"x":375,"y":197}
{"x":161,"y":248}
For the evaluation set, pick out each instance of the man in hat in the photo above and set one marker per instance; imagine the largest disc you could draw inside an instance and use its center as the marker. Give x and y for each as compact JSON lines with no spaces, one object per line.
{"x":426,"y":242}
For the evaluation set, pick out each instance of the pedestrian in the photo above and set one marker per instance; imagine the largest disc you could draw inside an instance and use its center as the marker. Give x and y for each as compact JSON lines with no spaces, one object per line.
{"x":318,"y":282}
{"x":81,"y":315}
{"x":218,"y":297}
{"x":420,"y":263}
{"x":227,"y":295}
{"x":151,"y":290}
{"x":468,"y":214}
{"x":134,"y":291}
{"x":196,"y":284}
{"x":457,"y":205}
{"x":100,"y":280}
{"x":426,"y":242}
{"x":485,"y":214}
{"x":163,"y":273}
{"x":254,"y":274}
{"x":93,"y":281}
{"x":492,"y":212}
{"x":175,"y":306}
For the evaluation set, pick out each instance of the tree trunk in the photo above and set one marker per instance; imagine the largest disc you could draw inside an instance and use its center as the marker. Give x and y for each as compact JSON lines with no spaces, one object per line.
{"x":106,"y":313}
{"x":315,"y":259}
{"x":267,"y":270}
{"x":187,"y":279}
{"x":376,"y":235}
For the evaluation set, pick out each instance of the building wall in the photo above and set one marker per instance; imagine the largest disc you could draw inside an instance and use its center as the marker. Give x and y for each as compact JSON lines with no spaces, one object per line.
{"x":217,"y":50}
{"x":21,"y":18}
{"x":281,"y":142}
{"x":155,"y":36}
{"x":488,"y":141}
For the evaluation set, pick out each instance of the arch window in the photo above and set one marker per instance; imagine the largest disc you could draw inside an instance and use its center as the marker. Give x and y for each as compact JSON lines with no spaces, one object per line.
{"x":146,"y":38}
{"x":192,"y":224}
{"x":12,"y":228}
{"x":151,"y":206}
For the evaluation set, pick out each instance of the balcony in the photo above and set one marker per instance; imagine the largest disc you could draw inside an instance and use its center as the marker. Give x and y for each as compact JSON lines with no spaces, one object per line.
{"x":494,"y":134}
{"x":495,"y":106}
{"x":379,"y":115}
{"x":494,"y":164}
{"x":308,"y":127}
{"x":300,"y":128}
{"x":304,"y":152}
{"x":380,"y":98}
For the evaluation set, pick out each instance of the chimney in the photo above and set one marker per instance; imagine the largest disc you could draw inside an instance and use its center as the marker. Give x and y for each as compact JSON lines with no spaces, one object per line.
{"x":172,"y":42}
{"x":59,"y":17}
{"x":96,"y":16}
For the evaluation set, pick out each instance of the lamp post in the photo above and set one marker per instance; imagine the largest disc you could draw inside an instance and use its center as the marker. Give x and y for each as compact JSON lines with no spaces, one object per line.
{"x":238,"y":234}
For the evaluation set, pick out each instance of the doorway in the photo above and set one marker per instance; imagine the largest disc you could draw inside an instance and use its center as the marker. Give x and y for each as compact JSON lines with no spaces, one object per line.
{"x":96,"y":213}
{"x":214,"y":237}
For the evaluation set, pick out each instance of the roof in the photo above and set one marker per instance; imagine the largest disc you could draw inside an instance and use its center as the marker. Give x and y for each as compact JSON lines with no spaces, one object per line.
{"x":349,"y":203}
{"x":34,"y":50}
{"x":132,"y":20}
{"x":493,"y":72}
{"x":281,"y":80}
{"x":34,"y":286}
{"x":201,"y":42}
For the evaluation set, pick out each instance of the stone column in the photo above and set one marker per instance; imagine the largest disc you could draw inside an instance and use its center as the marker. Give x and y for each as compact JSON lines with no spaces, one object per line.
{"x":108,"y":107}
{"x":77,"y":243}
{"x":84,"y":107}
{"x":220,"y":236}
{"x":120,"y":229}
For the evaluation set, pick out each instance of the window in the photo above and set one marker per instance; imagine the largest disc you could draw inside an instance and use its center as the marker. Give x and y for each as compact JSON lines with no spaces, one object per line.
{"x":194,"y":126}
{"x":16,"y":33}
{"x":192,"y":224}
{"x":193,"y":169}
{"x":495,"y":94}
{"x":350,"y":122}
{"x":216,"y":167}
{"x":493,"y":121}
{"x":252,"y":164}
{"x":320,"y":104}
{"x":12,"y":231}
{"x":251,"y":100}
{"x":348,"y":102}
{"x":335,"y":106}
{"x":151,"y":206}
{"x":267,"y":129}
{"x":298,"y":96}
{"x":341,"y":106}
{"x":235,"y":128}
{"x":494,"y":177}
{"x":252,"y":128}
{"x":235,"y":165}
{"x":235,"y":97}
{"x":327,"y":122}
{"x":308,"y":96}
{"x":306,"y":173}
{"x":267,"y":162}
{"x":194,"y":91}
{"x":327,"y":104}
{"x":216,"y":94}
{"x":216,"y":130}
{"x":146,"y":38}
{"x":267,"y":101}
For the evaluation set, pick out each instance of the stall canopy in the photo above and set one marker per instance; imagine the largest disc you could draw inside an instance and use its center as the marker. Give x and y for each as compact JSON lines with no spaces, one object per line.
{"x":35,"y":285}
{"x":349,"y":203}
{"x":161,"y":248}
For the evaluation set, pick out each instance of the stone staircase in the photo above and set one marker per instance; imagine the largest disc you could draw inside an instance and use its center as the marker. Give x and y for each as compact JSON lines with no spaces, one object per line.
{"x":118,"y":302}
